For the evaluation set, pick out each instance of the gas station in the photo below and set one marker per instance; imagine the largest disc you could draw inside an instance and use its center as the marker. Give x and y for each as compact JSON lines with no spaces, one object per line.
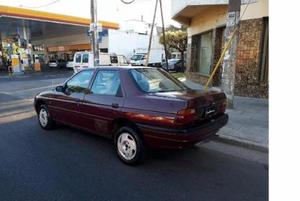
{"x":30,"y":38}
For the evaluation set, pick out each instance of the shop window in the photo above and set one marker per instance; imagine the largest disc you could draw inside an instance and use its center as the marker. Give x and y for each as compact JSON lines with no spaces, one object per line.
{"x":204,"y":53}
{"x":264,"y":61}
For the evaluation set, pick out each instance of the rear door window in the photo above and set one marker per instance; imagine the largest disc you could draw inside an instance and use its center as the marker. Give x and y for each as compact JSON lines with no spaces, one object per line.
{"x":85,"y":58}
{"x":114,"y":59}
{"x":78,"y":58}
{"x":107,"y":82}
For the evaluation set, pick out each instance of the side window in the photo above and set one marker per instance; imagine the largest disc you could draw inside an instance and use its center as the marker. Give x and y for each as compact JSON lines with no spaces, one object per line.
{"x":107,"y":82}
{"x":113,"y":59}
{"x":79,"y":82}
{"x":78,"y":58}
{"x":123,"y":60}
{"x":85,"y":58}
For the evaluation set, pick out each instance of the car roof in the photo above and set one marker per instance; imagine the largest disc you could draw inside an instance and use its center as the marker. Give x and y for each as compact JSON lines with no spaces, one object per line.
{"x":121,"y":67}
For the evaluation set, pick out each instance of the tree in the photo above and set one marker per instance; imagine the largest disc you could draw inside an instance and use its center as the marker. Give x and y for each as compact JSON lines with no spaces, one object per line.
{"x":176,"y":39}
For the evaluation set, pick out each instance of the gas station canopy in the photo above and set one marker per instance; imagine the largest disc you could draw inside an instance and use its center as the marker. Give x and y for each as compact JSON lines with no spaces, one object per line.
{"x":12,"y":12}
{"x":43,"y":25}
{"x":26,"y":34}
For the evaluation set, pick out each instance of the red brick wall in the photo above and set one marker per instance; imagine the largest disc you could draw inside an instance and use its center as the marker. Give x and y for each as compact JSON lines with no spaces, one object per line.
{"x":247,"y":82}
{"x":248,"y":68}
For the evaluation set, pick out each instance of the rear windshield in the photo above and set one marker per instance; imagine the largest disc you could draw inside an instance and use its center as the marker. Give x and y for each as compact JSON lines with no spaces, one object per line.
{"x":113,"y":59}
{"x":153,"y":80}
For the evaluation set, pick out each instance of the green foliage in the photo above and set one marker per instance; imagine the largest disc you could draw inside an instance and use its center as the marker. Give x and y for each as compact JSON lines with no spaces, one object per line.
{"x":176,"y":39}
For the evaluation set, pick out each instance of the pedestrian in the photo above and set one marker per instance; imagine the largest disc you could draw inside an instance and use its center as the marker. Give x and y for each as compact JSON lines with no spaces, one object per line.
{"x":9,"y":67}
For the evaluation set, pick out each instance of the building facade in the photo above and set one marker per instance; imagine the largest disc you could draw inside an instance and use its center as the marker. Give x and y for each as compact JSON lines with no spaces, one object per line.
{"x":206,"y":20}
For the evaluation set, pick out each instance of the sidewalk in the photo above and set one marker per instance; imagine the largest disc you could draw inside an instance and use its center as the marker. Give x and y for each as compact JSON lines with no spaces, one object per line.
{"x":248,"y":122}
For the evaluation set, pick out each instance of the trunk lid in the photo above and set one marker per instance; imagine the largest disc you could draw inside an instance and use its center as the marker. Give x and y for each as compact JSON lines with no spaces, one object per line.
{"x":207,"y":104}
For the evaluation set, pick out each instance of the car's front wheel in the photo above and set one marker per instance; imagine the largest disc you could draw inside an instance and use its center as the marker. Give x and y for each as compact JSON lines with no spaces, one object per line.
{"x":129,"y":146}
{"x":44,"y":117}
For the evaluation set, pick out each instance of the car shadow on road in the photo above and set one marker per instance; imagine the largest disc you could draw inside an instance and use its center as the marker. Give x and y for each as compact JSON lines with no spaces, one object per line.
{"x":80,"y":166}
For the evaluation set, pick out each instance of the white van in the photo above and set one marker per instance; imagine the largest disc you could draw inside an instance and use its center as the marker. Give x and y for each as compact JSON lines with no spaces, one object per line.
{"x":85,"y":59}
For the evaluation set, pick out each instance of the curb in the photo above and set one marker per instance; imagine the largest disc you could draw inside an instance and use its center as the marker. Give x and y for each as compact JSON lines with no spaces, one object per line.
{"x":240,"y":143}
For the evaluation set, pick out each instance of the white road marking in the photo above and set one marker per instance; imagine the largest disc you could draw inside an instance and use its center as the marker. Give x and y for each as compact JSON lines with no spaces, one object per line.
{"x":17,"y":117}
{"x":25,"y":90}
{"x":15,"y":104}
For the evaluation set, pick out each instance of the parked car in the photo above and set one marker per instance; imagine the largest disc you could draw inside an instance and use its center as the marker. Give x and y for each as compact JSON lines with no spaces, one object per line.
{"x":62,"y":63}
{"x":53,"y":64}
{"x":173,"y":65}
{"x":70,"y":64}
{"x":137,"y":107}
{"x":138,"y":59}
{"x":57,"y":63}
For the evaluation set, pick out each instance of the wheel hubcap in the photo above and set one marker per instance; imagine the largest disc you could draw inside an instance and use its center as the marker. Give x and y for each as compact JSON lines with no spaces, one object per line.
{"x":126,"y":146}
{"x":43,"y":117}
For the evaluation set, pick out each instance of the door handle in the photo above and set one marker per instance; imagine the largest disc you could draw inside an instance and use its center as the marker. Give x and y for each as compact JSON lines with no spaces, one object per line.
{"x":115,"y":105}
{"x":77,"y":100}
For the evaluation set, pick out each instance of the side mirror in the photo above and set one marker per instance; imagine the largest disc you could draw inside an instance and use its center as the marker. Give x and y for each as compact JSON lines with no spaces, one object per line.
{"x":59,"y":89}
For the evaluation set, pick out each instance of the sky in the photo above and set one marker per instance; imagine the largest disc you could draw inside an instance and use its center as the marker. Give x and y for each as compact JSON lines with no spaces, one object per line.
{"x":108,"y":10}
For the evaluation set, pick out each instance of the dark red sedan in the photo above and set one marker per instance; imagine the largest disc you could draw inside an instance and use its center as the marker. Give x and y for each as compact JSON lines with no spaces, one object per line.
{"x":137,"y":107}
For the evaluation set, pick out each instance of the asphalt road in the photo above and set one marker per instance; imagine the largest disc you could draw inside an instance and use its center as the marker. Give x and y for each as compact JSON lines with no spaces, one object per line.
{"x":68,"y":164}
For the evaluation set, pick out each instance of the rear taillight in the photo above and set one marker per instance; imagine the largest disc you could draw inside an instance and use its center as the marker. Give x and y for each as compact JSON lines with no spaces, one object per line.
{"x":223,"y":106}
{"x":186,"y":115}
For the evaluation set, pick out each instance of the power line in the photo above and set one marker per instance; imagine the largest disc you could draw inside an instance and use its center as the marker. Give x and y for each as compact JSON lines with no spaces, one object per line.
{"x":127,"y":1}
{"x":44,"y":5}
{"x":245,"y":10}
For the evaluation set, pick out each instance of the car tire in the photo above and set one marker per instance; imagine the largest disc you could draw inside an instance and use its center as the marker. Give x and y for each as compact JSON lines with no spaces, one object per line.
{"x":129,"y":146}
{"x":44,"y":118}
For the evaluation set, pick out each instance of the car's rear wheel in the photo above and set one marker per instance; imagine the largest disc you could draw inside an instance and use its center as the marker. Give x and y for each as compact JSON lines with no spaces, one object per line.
{"x":129,"y":146}
{"x":45,"y":120}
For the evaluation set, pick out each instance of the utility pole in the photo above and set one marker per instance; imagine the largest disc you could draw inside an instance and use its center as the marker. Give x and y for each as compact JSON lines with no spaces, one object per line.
{"x":164,"y":36}
{"x":94,"y":31}
{"x":2,"y":53}
{"x":229,"y":63}
{"x":151,"y":34}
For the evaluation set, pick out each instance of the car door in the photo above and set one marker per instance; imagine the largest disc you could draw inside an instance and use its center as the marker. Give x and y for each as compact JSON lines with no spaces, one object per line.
{"x":85,"y":61}
{"x":103,"y":103}
{"x":65,"y":105}
{"x":77,"y":62}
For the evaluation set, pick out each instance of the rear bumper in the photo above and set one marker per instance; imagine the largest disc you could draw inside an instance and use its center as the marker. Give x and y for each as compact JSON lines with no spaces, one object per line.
{"x":158,"y":137}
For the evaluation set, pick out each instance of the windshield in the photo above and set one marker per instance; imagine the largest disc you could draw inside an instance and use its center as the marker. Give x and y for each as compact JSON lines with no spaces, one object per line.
{"x":137,"y":57}
{"x":175,"y":61}
{"x":153,"y":80}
